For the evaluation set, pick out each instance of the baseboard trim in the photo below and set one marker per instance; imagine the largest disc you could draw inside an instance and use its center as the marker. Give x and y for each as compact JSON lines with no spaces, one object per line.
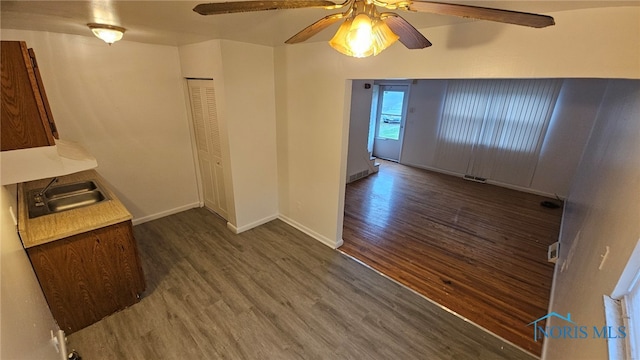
{"x":144,"y":219}
{"x":554,"y":280}
{"x":323,"y":239}
{"x":243,"y":228}
{"x":489,"y":181}
{"x":524,"y":189}
{"x":232,"y":227}
{"x":441,"y":171}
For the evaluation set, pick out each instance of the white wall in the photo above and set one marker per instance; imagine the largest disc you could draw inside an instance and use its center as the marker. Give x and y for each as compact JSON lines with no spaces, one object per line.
{"x":568,"y":132}
{"x":311,"y":90}
{"x":602,"y":210}
{"x":201,"y":60}
{"x":421,"y":130}
{"x":249,"y":87}
{"x":312,"y":133}
{"x":125,"y":104}
{"x":245,"y":95}
{"x":26,"y":322}
{"x":359,"y":119}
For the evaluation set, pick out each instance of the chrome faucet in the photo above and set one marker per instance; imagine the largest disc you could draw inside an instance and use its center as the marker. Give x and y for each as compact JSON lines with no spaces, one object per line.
{"x":41,"y":193}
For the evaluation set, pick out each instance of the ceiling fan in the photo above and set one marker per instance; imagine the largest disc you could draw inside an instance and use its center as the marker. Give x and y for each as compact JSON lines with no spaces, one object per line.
{"x":367,"y":32}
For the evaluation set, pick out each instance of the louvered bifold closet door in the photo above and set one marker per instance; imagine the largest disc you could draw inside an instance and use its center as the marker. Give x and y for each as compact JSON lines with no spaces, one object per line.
{"x":498,"y":127}
{"x":208,"y":144}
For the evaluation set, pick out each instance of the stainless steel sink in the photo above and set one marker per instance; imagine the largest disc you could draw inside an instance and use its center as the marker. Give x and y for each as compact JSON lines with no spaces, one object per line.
{"x":65,"y":197}
{"x":75,"y":201}
{"x":70,"y":189}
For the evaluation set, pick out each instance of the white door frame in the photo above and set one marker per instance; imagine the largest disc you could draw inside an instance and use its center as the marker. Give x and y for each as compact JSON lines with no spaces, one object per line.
{"x":403,"y":120}
{"x":192,"y":135}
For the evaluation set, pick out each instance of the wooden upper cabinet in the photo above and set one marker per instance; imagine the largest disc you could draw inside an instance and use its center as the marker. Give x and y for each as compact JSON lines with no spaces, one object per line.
{"x":26,"y":119}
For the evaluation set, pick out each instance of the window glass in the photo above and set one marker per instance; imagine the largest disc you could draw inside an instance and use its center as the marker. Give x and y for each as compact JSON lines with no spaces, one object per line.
{"x":390,"y":114}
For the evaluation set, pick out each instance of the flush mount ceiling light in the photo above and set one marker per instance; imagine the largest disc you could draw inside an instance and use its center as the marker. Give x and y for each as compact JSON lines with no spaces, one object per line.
{"x":107,"y":33}
{"x":366,"y":32}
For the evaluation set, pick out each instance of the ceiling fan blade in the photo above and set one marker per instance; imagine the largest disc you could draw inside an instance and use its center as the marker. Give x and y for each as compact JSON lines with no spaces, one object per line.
{"x":246,"y":6}
{"x":409,"y":36}
{"x":482,"y":13}
{"x":314,"y":28}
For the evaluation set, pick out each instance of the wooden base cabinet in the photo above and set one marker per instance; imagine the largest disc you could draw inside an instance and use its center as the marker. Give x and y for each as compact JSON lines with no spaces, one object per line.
{"x":88,"y":276}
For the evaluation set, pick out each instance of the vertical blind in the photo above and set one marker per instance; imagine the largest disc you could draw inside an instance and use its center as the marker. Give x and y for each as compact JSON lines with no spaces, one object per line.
{"x":494,"y":129}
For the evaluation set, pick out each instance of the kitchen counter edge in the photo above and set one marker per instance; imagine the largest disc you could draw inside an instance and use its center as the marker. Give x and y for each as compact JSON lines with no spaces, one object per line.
{"x":52,"y":227}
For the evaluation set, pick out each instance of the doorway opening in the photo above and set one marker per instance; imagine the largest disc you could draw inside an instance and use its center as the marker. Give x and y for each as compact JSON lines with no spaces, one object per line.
{"x":461,"y":244}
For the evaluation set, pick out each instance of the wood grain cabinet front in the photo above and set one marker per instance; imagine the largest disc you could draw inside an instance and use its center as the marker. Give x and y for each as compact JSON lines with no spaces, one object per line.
{"x":88,"y":276}
{"x":26,"y":117}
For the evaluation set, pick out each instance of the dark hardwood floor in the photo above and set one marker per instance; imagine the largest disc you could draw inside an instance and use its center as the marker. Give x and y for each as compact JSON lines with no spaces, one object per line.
{"x":477,"y":249}
{"x":272,"y":293}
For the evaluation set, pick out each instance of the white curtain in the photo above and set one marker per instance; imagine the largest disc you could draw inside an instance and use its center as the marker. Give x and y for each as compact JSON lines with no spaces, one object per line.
{"x":494,"y":129}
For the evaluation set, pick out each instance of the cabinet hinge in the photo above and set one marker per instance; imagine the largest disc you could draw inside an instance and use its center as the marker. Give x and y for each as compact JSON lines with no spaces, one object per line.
{"x":32,"y":56}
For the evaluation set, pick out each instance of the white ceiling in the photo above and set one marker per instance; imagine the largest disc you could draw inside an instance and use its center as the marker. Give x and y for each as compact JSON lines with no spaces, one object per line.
{"x":174,"y":22}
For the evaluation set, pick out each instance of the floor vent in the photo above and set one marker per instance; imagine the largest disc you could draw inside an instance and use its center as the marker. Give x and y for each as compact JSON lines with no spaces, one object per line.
{"x":475,"y":178}
{"x":359,"y":175}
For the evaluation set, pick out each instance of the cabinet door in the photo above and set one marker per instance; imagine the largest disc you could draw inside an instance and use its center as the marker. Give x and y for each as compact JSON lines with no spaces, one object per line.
{"x":88,"y":276}
{"x":23,"y":116}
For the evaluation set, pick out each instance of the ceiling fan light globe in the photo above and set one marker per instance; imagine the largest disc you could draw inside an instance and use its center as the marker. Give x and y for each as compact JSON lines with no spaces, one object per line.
{"x":339,"y":40}
{"x":354,"y":37}
{"x":363,"y":36}
{"x":360,"y":37}
{"x":383,"y":36}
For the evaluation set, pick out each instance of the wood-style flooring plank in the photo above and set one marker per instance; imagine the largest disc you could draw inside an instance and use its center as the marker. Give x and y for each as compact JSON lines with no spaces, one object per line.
{"x":477,"y":249}
{"x":272,"y":293}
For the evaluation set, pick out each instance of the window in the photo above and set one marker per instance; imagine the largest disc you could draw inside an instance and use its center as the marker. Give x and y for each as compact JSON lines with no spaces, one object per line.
{"x":494,"y":129}
{"x":625,"y":311}
{"x":631,"y":312}
{"x":390,"y":113}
